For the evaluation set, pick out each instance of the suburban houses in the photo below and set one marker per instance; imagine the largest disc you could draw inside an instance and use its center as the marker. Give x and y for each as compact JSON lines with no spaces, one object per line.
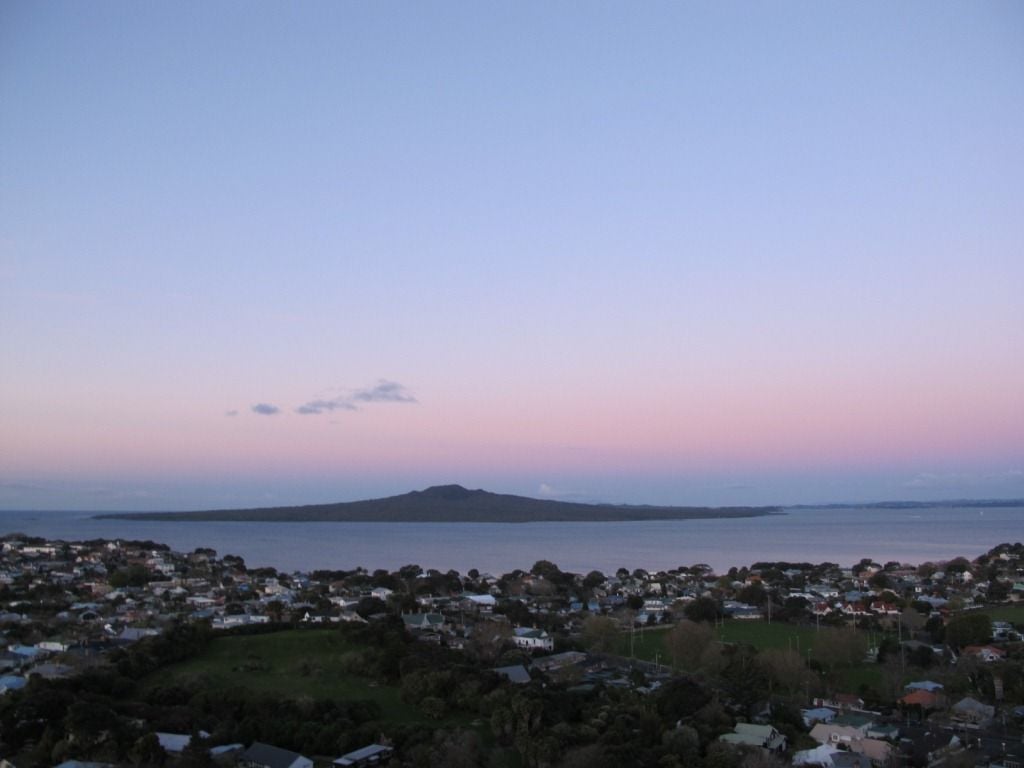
{"x":68,"y":607}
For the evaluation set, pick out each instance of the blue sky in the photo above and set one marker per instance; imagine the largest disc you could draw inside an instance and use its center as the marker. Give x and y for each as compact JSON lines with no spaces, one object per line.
{"x":691,"y":253}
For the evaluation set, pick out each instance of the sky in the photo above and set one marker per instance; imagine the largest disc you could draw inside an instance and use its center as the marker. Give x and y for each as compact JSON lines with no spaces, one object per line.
{"x":677,"y":253}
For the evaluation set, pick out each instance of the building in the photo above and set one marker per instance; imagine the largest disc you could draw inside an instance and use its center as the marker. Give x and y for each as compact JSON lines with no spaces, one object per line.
{"x":261,"y":755}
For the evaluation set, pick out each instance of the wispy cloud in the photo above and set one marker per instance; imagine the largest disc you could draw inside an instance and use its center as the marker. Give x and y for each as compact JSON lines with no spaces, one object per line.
{"x":548,"y":491}
{"x":326,"y":406}
{"x":383,"y":391}
{"x":265,"y":409}
{"x":231,"y":413}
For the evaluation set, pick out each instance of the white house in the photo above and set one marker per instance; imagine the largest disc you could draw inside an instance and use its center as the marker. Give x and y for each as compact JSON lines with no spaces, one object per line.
{"x":533,"y":639}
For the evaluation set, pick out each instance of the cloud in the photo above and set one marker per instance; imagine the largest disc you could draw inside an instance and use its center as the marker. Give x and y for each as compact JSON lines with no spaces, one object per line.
{"x":230,"y":413}
{"x":548,"y":491}
{"x":265,"y":409}
{"x":326,"y":406}
{"x":383,"y":391}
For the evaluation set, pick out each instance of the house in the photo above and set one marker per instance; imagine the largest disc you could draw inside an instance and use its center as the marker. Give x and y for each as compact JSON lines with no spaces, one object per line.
{"x":423,"y":621}
{"x":923,"y":685}
{"x":175,"y":743}
{"x":926,"y":700}
{"x":517,"y":673}
{"x":11,"y":683}
{"x":375,"y":754}
{"x":751,"y":735}
{"x":985,"y":653}
{"x":827,"y":757}
{"x":261,"y":755}
{"x":972,"y":712}
{"x":841,"y":701}
{"x":533,"y":639}
{"x":479,"y":602}
{"x":558,"y":661}
{"x":817,"y":715}
{"x":381,"y":593}
{"x":852,"y":738}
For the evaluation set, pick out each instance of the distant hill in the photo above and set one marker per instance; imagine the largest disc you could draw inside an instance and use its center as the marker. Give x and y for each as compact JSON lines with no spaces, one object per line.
{"x":453,"y":504}
{"x":948,"y":503}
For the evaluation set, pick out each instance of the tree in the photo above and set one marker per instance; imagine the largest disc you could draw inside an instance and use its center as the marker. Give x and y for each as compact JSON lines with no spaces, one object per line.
{"x":456,"y":749}
{"x":702,"y":609}
{"x":369,"y":606}
{"x":489,"y":639}
{"x":879,"y":580}
{"x":275,"y":610}
{"x":687,"y":642}
{"x":969,"y":629}
{"x":147,"y":752}
{"x":547,"y":570}
{"x":684,"y":743}
{"x":834,"y":647}
{"x":911,"y":620}
{"x":600,"y":633}
{"x":410,"y":572}
{"x":752,"y":594}
{"x":784,"y":668}
{"x":132,"y":576}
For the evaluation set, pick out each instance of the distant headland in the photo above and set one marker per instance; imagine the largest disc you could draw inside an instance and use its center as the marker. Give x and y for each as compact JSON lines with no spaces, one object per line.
{"x":453,"y":504}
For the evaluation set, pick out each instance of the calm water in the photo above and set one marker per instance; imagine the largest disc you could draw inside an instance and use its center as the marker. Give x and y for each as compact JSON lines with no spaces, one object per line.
{"x":840,"y":536}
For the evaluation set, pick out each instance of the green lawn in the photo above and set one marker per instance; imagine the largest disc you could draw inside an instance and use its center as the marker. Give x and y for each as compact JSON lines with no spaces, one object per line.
{"x":763,"y":635}
{"x":291,"y":663}
{"x":650,"y":645}
{"x":1011,"y":613}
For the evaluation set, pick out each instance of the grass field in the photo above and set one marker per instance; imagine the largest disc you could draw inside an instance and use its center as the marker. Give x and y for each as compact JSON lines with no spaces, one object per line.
{"x":291,"y":663}
{"x":760,"y":634}
{"x":1011,"y":613}
{"x":650,"y":645}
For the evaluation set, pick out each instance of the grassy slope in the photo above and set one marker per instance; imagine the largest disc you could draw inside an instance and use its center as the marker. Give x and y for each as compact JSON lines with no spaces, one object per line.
{"x":291,"y":663}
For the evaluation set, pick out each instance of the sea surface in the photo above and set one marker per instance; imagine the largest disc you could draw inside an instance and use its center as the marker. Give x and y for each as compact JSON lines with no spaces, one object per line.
{"x":842,"y":536}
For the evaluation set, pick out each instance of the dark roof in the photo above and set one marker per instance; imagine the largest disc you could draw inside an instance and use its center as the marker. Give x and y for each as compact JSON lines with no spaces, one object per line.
{"x":270,"y":756}
{"x":516,"y":673}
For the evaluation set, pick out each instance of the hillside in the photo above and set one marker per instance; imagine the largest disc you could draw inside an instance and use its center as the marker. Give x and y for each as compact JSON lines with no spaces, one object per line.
{"x":452,"y":504}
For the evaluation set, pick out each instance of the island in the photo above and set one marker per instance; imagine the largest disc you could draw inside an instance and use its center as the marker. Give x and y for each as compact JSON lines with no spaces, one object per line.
{"x":453,"y":504}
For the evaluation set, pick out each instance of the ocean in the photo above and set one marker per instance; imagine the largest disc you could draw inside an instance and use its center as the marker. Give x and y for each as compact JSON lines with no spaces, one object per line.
{"x":842,"y":536}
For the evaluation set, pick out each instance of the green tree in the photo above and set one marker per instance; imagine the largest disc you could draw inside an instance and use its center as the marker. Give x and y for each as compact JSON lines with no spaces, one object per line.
{"x":969,"y":629}
{"x":839,"y":647}
{"x":702,"y":609}
{"x":600,"y":633}
{"x":147,"y":752}
{"x":687,"y":643}
{"x":784,"y":668}
{"x":132,"y":576}
{"x":547,"y":570}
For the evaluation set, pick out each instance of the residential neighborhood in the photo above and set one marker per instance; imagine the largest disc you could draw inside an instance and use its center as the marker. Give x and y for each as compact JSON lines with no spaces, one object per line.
{"x":822,"y":664}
